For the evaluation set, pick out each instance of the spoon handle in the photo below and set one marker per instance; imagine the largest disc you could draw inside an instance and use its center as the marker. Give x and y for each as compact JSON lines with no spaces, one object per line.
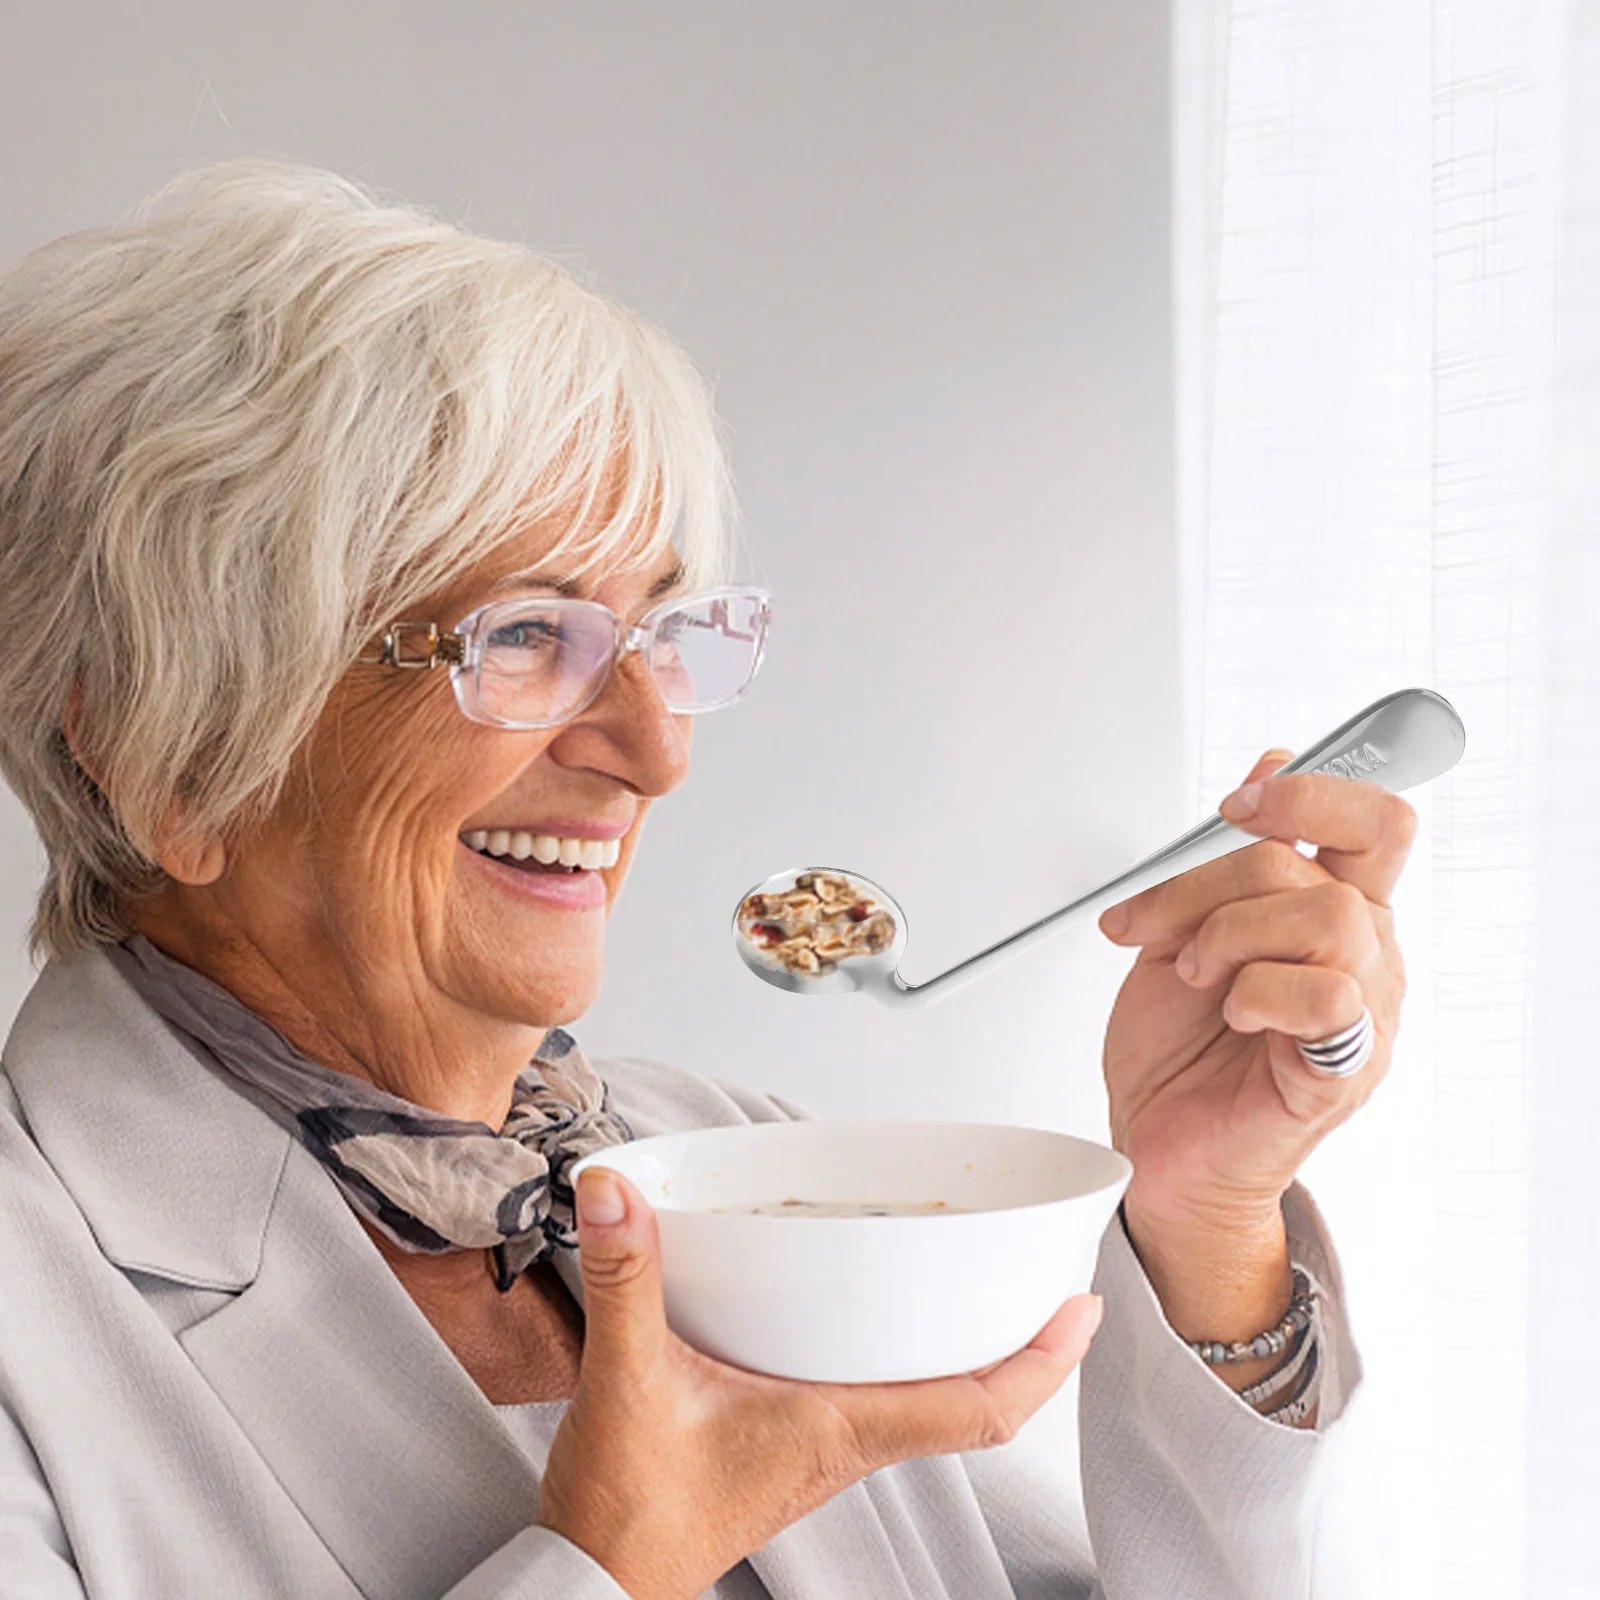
{"x":1405,"y":739}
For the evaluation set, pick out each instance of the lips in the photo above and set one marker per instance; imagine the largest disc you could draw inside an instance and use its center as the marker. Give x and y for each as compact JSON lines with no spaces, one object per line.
{"x":567,"y":888}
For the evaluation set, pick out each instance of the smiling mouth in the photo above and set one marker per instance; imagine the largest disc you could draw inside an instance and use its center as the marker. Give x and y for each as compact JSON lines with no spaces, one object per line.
{"x":543,"y":852}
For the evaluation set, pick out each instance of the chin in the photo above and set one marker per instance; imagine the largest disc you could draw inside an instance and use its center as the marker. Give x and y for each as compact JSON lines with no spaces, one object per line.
{"x":538,"y":969}
{"x":540,"y":995}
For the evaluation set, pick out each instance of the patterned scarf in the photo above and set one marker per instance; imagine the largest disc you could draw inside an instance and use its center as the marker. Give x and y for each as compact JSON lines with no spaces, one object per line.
{"x":430,"y":1182}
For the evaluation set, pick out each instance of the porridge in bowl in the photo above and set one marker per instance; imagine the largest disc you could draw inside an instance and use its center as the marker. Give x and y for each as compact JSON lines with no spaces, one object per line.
{"x":842,"y":1208}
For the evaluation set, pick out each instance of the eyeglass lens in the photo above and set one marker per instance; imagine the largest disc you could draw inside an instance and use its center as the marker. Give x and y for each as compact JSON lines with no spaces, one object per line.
{"x":540,"y":661}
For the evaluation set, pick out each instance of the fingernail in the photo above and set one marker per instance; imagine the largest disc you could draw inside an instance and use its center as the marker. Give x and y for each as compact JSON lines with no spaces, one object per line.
{"x":1115,"y":922}
{"x":1279,"y":758}
{"x":1245,"y":801}
{"x":1097,"y":1313}
{"x":600,"y":1201}
{"x":1188,"y":962}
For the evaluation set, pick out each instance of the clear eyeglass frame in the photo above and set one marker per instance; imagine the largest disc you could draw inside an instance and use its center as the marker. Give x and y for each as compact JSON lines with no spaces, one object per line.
{"x":419,"y":646}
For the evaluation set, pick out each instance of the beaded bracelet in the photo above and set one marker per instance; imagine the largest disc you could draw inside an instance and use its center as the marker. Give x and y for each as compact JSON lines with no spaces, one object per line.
{"x":1302,"y":1305}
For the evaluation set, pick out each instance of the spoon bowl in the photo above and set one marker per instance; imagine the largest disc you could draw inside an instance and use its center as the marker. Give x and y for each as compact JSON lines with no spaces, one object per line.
{"x":857,"y":973}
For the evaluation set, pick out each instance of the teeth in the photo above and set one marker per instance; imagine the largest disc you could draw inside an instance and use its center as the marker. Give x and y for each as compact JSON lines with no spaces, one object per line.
{"x":545,"y":848}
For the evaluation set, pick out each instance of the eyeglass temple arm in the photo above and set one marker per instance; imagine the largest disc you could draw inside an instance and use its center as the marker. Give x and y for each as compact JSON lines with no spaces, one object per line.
{"x":442,"y":648}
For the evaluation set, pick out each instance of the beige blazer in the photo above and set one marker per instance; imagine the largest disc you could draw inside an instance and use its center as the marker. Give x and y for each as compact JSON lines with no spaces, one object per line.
{"x":212,"y":1388}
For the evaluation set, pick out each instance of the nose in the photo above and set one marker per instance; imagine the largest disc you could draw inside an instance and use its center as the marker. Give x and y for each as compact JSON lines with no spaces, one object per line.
{"x":628,"y":733}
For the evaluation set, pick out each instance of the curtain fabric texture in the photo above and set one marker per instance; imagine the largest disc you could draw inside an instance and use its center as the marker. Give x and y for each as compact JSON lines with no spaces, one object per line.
{"x":1388,"y":260}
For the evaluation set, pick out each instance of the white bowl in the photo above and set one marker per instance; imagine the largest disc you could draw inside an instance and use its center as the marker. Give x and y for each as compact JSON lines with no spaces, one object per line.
{"x":871,"y":1299}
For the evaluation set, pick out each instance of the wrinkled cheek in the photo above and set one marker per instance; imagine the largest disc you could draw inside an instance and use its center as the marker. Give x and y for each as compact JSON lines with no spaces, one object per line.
{"x":383,"y":860}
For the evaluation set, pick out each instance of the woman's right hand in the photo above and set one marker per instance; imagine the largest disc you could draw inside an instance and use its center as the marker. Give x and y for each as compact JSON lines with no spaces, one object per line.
{"x":671,"y":1467}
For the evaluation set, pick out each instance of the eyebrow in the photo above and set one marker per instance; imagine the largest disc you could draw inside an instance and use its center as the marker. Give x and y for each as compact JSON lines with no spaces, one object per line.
{"x":568,"y":587}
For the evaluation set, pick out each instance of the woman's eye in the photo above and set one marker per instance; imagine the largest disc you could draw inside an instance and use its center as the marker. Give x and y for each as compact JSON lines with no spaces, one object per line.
{"x":533,"y":633}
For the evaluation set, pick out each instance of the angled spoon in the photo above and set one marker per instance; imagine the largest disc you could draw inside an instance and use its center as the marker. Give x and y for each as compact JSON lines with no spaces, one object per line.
{"x":1405,"y":739}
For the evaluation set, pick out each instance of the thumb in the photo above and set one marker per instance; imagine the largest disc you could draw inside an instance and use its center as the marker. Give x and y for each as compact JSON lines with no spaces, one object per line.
{"x":619,"y":1255}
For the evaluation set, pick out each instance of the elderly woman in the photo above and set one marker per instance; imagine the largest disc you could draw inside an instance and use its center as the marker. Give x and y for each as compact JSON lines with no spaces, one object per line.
{"x":359,"y":580}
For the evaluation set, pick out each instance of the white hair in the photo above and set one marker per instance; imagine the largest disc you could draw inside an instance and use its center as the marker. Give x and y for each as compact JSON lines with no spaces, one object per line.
{"x":244,"y":430}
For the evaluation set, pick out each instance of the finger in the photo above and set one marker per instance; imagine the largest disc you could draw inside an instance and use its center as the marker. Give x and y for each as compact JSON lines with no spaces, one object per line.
{"x":1304,"y":1002}
{"x":1268,"y":764}
{"x":1175,"y":909}
{"x":619,"y":1256}
{"x":1329,"y":925}
{"x":1114,"y":924}
{"x":977,"y":1410}
{"x":1362,"y":833}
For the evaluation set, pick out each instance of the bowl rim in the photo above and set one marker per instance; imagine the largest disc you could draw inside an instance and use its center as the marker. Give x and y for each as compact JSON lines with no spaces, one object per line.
{"x":815,"y":1126}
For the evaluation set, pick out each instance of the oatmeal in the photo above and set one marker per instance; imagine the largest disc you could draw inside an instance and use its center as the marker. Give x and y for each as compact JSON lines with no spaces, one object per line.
{"x":843,"y":1208}
{"x":809,"y":929}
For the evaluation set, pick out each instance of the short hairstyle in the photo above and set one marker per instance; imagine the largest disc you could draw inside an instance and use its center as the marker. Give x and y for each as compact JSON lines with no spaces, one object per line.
{"x":242,"y":431}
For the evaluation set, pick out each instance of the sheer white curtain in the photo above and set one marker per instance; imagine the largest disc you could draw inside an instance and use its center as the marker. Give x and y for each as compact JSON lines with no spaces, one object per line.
{"x":1389,"y":277}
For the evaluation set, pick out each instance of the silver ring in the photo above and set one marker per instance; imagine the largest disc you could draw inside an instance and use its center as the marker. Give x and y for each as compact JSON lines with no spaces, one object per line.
{"x":1343,"y":1054}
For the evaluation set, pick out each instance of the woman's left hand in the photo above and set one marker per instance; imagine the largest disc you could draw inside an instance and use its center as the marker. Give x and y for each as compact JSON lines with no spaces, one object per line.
{"x":1210,"y":1099}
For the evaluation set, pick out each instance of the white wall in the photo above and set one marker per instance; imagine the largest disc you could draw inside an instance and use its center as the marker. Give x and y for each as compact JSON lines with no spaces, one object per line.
{"x":924,"y":251}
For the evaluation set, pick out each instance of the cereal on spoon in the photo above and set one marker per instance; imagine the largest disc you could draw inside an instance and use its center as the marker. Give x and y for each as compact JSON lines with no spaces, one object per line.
{"x":824,"y":919}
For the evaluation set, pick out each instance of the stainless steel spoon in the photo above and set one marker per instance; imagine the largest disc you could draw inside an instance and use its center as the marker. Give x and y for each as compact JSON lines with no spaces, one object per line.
{"x":1398,"y":742}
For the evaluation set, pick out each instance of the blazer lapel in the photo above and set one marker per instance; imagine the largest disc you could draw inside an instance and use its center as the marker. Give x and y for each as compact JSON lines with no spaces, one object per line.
{"x":383,"y":1442}
{"x":389,"y":1449}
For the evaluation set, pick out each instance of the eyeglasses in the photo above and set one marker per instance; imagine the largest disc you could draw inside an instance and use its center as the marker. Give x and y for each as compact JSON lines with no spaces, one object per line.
{"x":537,"y":663}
